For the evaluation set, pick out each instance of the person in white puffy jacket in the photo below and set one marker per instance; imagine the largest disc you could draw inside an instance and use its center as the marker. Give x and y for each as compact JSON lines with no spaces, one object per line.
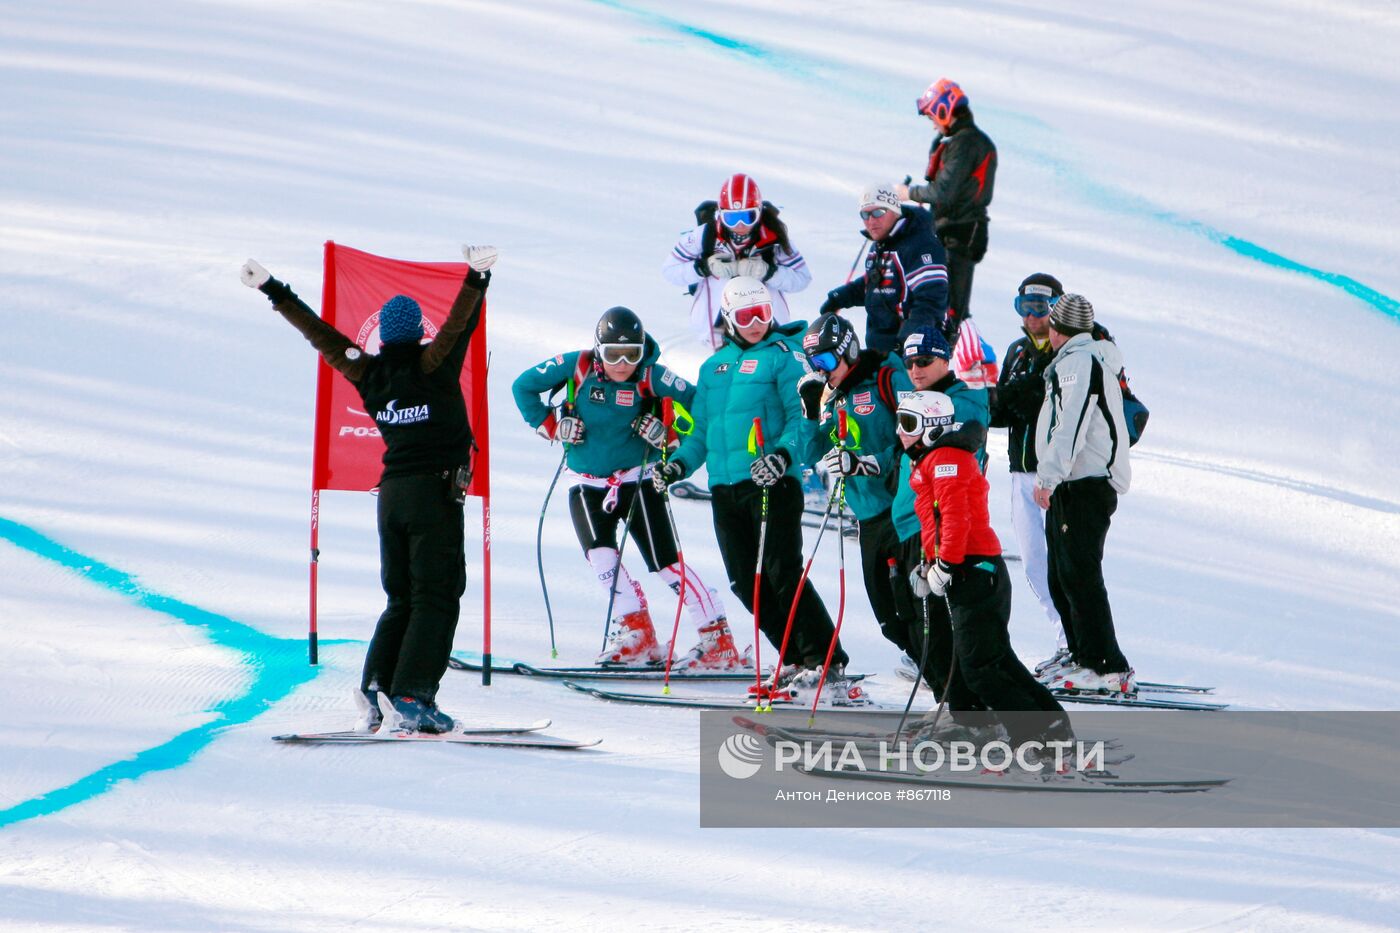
{"x":739,"y":234}
{"x":1081,"y":448}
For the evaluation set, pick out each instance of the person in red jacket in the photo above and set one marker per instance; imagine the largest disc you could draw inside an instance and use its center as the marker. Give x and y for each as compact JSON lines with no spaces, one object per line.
{"x":963,"y":564}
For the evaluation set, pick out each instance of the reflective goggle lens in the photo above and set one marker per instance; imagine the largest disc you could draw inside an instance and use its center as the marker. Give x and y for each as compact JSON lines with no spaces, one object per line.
{"x":736,"y":218}
{"x":1034,"y":305}
{"x":754,"y":314}
{"x":824,"y":362}
{"x":910,"y":424}
{"x":614,"y":353}
{"x":877,"y":213}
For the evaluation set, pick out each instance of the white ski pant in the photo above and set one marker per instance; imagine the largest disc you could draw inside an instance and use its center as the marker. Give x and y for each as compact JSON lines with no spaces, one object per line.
{"x":1028,"y":519}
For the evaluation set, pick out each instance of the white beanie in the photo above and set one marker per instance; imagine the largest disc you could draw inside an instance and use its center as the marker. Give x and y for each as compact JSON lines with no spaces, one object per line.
{"x":878,"y":195}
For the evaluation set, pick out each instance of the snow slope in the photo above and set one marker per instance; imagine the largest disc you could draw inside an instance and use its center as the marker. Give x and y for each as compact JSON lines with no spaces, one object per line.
{"x":1220,"y":181}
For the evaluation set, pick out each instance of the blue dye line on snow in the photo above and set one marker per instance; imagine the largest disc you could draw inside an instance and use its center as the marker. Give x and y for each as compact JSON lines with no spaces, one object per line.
{"x":809,"y":67}
{"x":276,"y":666}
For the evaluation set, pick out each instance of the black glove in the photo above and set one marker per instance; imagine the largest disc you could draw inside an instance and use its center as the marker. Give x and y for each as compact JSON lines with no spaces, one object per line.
{"x":664,"y":474}
{"x":811,"y":387}
{"x":766,"y":471}
{"x":277,"y":291}
{"x":832,"y":304}
{"x":479,"y":280}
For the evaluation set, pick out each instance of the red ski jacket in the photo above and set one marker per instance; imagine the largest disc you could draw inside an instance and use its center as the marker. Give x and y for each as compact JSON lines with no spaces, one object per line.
{"x":950,"y":497}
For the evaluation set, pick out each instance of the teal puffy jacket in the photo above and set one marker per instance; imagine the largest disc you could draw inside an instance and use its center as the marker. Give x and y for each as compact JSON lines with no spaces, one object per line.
{"x":869,"y":399}
{"x":737,"y":385}
{"x":969,"y":407}
{"x":608,"y":409}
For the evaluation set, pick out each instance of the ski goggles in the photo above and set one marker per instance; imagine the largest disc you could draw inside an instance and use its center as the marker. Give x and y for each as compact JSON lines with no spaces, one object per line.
{"x":615,"y":353}
{"x":824,"y":362}
{"x":876,"y":212}
{"x":1034,"y":305}
{"x":753,"y":314}
{"x":910,"y":423}
{"x":745,"y":217}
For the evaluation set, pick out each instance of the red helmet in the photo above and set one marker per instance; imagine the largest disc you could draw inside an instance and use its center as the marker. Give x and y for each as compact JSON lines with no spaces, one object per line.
{"x":942,"y":99}
{"x":740,"y":200}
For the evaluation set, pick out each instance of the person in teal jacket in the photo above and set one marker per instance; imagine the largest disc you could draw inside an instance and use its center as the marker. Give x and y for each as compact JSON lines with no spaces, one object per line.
{"x":612,"y":430}
{"x":926,"y":359}
{"x":752,"y":381}
{"x":863,"y":387}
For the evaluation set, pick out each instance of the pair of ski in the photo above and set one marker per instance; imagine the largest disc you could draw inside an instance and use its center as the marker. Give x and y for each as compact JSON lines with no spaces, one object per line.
{"x":1074,"y":782}
{"x":472,"y":662}
{"x":527,"y":736}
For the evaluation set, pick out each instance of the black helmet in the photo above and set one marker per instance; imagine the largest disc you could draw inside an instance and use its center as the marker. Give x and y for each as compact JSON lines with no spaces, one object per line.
{"x":829,"y":340}
{"x":619,"y":336}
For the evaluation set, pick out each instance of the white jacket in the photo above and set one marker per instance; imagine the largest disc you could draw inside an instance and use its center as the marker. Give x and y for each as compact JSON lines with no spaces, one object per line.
{"x":790,"y":274}
{"x":1081,"y":431}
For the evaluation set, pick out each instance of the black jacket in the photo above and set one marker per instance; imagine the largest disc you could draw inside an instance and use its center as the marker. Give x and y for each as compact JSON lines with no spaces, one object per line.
{"x":961,"y":173}
{"x":412,"y":391}
{"x":1017,"y":400}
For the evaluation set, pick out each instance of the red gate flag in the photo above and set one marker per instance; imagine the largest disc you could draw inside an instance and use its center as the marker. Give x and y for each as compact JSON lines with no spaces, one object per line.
{"x":348,"y":447}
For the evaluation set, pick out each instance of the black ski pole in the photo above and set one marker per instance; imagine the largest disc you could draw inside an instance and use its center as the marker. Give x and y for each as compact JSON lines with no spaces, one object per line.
{"x":539,"y":529}
{"x":923,"y":660}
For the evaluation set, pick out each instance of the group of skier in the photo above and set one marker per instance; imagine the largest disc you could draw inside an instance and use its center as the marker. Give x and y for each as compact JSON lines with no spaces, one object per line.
{"x":899,"y":427}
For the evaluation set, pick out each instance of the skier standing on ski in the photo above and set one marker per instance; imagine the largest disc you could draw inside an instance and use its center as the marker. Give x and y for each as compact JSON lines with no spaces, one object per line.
{"x":613,"y":433}
{"x":926,"y":360}
{"x":1016,"y":406}
{"x":961,"y":172}
{"x":963,"y":564}
{"x":738,"y":235}
{"x":1081,"y":446}
{"x":427,"y":467}
{"x":905,"y":285}
{"x":862,"y":387}
{"x":753,"y":377}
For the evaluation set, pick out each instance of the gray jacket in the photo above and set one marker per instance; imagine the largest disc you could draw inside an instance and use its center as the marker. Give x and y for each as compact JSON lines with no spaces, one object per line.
{"x":1081,"y":431}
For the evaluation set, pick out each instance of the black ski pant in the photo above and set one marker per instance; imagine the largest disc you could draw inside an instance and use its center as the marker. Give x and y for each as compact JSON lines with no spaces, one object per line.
{"x":879,"y":547}
{"x":422,"y":564}
{"x":960,"y":269}
{"x":937,"y":658}
{"x":650,"y":524}
{"x":1075,"y":530}
{"x":980,"y":599}
{"x":738,"y":510}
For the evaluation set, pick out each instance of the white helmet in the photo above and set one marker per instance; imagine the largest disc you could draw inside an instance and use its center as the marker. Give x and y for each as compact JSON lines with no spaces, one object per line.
{"x":742,"y":293}
{"x":925,"y":415}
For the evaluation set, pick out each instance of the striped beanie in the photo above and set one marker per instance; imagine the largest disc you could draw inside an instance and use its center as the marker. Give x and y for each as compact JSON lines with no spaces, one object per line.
{"x":400,"y":321}
{"x":1072,"y":314}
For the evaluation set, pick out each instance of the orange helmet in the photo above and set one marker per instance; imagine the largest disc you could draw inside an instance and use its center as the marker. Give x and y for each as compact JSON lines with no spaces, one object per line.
{"x":942,"y":99}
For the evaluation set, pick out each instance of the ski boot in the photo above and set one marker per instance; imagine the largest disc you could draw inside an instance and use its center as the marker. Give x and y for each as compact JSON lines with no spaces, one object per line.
{"x":715,"y":651}
{"x":370,"y":718}
{"x":410,"y":714}
{"x":632,"y":642}
{"x":1087,"y":680}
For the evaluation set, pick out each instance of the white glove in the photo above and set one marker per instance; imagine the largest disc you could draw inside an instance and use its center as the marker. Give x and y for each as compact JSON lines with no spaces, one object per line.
{"x":766,"y":471}
{"x":570,"y":430}
{"x":665,"y":474}
{"x":930,"y":579}
{"x":253,"y":274}
{"x":918,"y":583}
{"x":841,"y":462}
{"x":752,"y":267}
{"x":651,"y":429}
{"x":480,"y":258}
{"x":722,"y":268}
